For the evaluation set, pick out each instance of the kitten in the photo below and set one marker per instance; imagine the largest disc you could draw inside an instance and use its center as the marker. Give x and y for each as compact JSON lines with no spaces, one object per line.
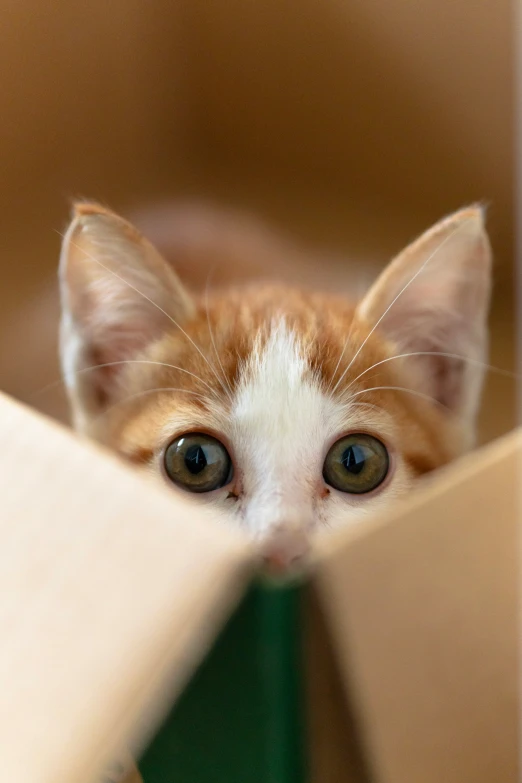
{"x":288,"y":410}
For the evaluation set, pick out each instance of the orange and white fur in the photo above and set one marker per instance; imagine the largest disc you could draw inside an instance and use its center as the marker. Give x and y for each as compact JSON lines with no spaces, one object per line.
{"x":276,"y":374}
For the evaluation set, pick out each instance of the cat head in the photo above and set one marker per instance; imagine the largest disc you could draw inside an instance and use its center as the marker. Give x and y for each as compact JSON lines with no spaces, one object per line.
{"x":288,"y":410}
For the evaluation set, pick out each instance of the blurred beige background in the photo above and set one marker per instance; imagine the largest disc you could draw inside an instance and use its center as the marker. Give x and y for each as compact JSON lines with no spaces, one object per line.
{"x":352,"y":125}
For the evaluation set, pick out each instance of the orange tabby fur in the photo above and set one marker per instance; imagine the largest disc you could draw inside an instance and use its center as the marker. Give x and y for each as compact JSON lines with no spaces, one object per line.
{"x":428,"y":438}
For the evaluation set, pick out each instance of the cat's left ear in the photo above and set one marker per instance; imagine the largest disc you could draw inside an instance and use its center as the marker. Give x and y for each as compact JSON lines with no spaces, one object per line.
{"x":434,"y":298}
{"x":118,"y":295}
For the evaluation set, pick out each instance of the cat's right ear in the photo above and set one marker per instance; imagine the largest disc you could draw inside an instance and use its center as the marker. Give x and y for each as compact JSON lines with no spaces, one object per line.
{"x":118,"y":295}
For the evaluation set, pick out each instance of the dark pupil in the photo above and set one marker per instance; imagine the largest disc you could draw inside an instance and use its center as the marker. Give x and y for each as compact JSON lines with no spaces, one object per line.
{"x":353,"y":459}
{"x":195,"y":459}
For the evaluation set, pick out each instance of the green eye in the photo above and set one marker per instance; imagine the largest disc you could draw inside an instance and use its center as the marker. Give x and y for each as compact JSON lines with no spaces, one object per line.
{"x":198,"y":463}
{"x":356,"y":464}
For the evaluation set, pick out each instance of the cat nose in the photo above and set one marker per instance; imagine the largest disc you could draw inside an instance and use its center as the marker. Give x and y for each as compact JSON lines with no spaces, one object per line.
{"x":285,"y":549}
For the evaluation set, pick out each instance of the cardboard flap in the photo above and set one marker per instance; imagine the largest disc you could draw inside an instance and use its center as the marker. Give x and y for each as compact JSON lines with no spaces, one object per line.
{"x":335,"y":753}
{"x":423,"y":609}
{"x":110,"y":587}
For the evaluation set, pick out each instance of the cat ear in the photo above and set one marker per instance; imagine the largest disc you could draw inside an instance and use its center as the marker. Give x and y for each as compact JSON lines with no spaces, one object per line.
{"x":434,"y":297}
{"x":118,"y":295}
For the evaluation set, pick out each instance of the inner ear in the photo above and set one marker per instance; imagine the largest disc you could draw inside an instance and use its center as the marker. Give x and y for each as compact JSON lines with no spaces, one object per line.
{"x":436,"y":371}
{"x":118,"y":296}
{"x":433,"y":299}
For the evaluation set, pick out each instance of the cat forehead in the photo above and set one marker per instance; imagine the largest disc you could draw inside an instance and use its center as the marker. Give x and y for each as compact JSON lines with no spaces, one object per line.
{"x":276,"y":381}
{"x":281,"y":394}
{"x":269,"y":369}
{"x":279,"y":389}
{"x":278,"y":360}
{"x":274,"y":327}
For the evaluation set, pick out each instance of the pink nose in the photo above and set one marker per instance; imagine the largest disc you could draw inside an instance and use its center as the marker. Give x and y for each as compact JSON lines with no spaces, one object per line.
{"x":285,"y":549}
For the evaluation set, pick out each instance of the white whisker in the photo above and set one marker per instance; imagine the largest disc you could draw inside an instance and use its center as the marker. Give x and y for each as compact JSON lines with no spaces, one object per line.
{"x":146,"y":361}
{"x":417,"y":273}
{"x":366,"y":405}
{"x":142,"y":394}
{"x":348,"y":338}
{"x":212,"y":338}
{"x":399,"y":388}
{"x":129,"y":361}
{"x":476,"y":362}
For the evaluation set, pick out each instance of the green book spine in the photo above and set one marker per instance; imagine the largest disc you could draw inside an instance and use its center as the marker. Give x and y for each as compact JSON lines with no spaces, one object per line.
{"x":242,"y":717}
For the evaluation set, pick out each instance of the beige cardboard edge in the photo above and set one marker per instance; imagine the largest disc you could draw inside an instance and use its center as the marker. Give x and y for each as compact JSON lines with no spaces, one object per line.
{"x":103,"y":616}
{"x":423,"y":612}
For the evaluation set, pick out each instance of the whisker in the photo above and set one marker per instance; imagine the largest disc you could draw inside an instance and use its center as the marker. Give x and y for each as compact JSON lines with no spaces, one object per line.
{"x":142,"y":394}
{"x":212,"y":335}
{"x":154,"y":304}
{"x":399,"y":388}
{"x":366,"y":405}
{"x":339,"y":360}
{"x":417,"y":273}
{"x":59,"y":382}
{"x":476,"y":362}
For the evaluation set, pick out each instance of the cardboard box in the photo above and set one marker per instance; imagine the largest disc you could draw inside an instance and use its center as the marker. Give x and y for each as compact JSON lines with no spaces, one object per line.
{"x":132,"y":623}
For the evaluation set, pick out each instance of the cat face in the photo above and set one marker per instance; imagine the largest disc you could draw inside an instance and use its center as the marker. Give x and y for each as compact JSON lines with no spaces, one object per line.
{"x":288,"y":411}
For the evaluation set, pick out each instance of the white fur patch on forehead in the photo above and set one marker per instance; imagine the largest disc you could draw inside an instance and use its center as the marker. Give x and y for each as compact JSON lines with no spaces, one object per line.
{"x":280,"y":421}
{"x":275,"y":372}
{"x":276,"y":359}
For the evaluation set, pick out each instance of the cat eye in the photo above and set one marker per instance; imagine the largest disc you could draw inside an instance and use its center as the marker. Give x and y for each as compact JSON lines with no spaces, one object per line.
{"x":356,"y":464}
{"x":198,"y":463}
